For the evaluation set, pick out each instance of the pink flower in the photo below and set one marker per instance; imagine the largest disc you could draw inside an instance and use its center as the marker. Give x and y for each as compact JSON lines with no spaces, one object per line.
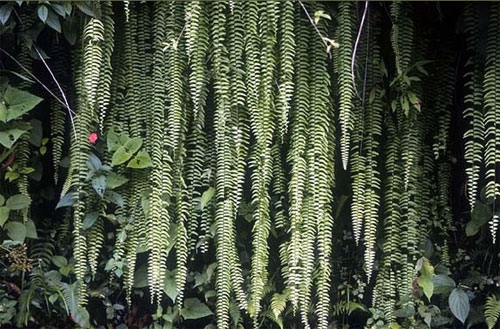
{"x":93,"y":138}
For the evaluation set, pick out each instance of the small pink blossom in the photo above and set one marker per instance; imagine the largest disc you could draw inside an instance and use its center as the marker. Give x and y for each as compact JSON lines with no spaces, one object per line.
{"x":93,"y":138}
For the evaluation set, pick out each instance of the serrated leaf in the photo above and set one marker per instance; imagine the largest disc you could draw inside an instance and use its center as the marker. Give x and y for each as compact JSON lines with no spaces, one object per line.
{"x":116,"y":180}
{"x":140,"y":161}
{"x":120,"y":156}
{"x":459,"y":304}
{"x":18,"y":202}
{"x":16,"y":231}
{"x":90,"y":219}
{"x":4,"y":215}
{"x":194,"y":309}
{"x":43,"y":13}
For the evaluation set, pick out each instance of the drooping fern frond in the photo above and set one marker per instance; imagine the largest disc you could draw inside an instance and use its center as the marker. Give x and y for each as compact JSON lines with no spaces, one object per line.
{"x":345,"y":37}
{"x":158,"y":218}
{"x":491,"y":99}
{"x":473,"y":112}
{"x":224,"y":220}
{"x":321,"y":168}
{"x":297,"y":158}
{"x":239,"y":121}
{"x":261,"y":62}
{"x":95,"y":242}
{"x":197,"y":50}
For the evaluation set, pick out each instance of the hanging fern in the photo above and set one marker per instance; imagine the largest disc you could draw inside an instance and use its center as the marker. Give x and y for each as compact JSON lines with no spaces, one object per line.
{"x":491,"y":99}
{"x":473,"y":112}
{"x":345,"y":37}
{"x":157,"y":216}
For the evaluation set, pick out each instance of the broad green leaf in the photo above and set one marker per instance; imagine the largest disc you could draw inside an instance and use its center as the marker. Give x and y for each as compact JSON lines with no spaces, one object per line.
{"x":2,"y":200}
{"x":85,"y":8}
{"x":3,"y":111}
{"x":194,"y":309}
{"x":114,"y":197}
{"x":141,"y":277}
{"x":206,"y":197}
{"x":90,"y":219}
{"x":16,"y":231}
{"x":53,"y":298}
{"x":169,"y":286}
{"x":140,"y":161}
{"x":425,"y":282}
{"x":99,"y":185}
{"x":18,"y":202}
{"x":30,"y":230}
{"x":133,"y":145}
{"x":59,"y":261}
{"x":481,"y":214}
{"x":405,"y":312}
{"x":443,"y":284}
{"x":94,"y":163}
{"x":19,"y":102}
{"x":459,"y":304}
{"x":9,"y":137}
{"x":58,"y":9}
{"x":112,"y":141}
{"x":53,"y":21}
{"x":120,"y":156}
{"x":43,"y":13}
{"x":36,"y":133}
{"x":69,"y":30}
{"x":471,"y":228}
{"x":5,"y":11}
{"x":116,"y":180}
{"x":4,"y":215}
{"x":67,"y":200}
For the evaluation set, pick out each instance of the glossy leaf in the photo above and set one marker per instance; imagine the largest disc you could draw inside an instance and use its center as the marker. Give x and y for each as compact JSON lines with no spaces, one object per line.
{"x":459,"y":304}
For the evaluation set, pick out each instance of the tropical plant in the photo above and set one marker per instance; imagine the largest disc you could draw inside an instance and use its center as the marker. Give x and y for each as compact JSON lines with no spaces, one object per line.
{"x":198,"y":155}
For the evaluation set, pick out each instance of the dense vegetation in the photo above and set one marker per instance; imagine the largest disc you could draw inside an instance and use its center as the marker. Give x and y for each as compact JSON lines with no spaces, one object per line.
{"x":249,"y":164}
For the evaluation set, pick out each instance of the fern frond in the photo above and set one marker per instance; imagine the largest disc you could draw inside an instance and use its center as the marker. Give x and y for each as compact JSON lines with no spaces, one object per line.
{"x":158,"y":218}
{"x":492,"y":311}
{"x":345,"y":37}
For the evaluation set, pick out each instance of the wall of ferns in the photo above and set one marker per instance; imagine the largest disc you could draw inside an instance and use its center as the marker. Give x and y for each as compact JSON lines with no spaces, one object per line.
{"x":276,"y":110}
